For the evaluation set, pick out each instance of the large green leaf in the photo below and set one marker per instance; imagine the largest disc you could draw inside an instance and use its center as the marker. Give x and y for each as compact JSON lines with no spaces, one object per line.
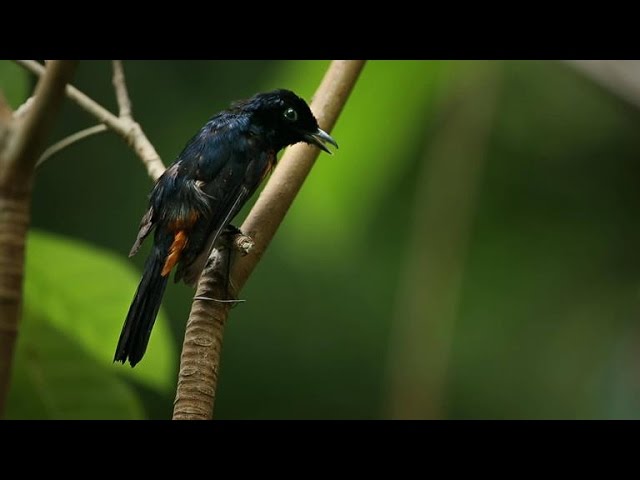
{"x":55,"y":378}
{"x":84,"y":293}
{"x":14,"y":83}
{"x":76,"y":297}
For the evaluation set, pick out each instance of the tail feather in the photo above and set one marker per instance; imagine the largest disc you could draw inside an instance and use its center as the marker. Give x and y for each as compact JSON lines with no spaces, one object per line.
{"x":142,"y":313}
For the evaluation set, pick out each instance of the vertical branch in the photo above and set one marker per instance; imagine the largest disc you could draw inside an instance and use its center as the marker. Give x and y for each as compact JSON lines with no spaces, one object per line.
{"x":197,"y":384}
{"x":22,"y":144}
{"x":200,"y":360}
{"x":14,"y":221}
{"x":429,"y":289}
{"x":122,"y":96}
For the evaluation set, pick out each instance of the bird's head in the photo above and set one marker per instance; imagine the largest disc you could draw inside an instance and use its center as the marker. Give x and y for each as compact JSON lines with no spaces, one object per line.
{"x":285,"y":119}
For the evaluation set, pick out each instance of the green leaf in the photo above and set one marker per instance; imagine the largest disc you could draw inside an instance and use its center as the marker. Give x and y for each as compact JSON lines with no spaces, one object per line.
{"x":84,"y":293}
{"x":14,"y":83}
{"x":55,"y":378}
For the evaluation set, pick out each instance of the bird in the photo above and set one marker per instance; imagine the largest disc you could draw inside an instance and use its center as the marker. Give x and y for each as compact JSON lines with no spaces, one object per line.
{"x":199,"y":195}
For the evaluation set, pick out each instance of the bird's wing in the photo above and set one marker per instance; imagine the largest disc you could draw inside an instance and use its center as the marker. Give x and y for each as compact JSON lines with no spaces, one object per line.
{"x":146,"y":224}
{"x":229,"y":191}
{"x":191,"y":268}
{"x":175,"y":195}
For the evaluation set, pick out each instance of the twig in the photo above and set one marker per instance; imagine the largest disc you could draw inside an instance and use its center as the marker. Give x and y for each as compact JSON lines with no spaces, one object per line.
{"x":124,"y":103}
{"x":18,"y":156}
{"x":127,"y":128}
{"x":70,"y":140}
{"x":200,"y":359}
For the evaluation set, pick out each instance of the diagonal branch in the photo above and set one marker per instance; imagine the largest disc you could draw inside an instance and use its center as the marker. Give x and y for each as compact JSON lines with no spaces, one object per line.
{"x":125,"y":127}
{"x":269,"y":210}
{"x":200,"y":359}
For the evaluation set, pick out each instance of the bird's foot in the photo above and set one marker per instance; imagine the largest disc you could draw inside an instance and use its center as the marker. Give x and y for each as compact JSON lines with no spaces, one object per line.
{"x":232,"y":230}
{"x":232,"y":240}
{"x":240,"y":241}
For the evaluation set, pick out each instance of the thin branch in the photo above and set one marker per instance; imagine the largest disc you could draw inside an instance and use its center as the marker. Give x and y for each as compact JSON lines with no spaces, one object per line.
{"x":200,"y":359}
{"x":127,"y":128}
{"x":120,"y":86}
{"x":70,"y":140}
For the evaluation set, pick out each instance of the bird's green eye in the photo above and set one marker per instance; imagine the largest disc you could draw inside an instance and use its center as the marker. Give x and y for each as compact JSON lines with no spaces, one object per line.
{"x":290,"y":114}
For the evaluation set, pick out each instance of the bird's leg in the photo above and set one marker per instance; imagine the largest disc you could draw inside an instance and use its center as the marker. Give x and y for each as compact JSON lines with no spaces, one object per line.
{"x":232,"y":230}
{"x":233,"y":240}
{"x":237,"y":241}
{"x":240,"y":241}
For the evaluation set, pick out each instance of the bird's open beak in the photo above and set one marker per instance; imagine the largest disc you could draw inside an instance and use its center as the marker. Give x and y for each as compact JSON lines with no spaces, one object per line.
{"x":319,"y":138}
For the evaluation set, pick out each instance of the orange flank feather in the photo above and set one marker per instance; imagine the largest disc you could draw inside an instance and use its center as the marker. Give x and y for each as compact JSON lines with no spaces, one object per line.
{"x":184,"y":223}
{"x":179,"y":242}
{"x":180,"y":239}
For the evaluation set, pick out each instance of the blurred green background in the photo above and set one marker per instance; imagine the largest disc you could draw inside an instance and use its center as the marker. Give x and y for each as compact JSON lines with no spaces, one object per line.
{"x":471,"y":251}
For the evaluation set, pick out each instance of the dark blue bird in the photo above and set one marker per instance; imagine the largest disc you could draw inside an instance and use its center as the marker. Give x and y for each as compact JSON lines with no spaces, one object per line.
{"x":198,"y":196}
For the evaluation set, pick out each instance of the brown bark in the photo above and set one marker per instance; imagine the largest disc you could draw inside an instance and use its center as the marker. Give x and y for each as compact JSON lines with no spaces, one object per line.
{"x":23,"y":140}
{"x":200,"y":361}
{"x":200,"y":358}
{"x":14,"y":221}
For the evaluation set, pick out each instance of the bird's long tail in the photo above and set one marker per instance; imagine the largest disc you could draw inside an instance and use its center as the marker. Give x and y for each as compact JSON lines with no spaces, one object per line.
{"x":143,"y":311}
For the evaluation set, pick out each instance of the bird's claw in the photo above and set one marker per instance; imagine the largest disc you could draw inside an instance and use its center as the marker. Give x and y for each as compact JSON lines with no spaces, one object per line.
{"x":240,"y":241}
